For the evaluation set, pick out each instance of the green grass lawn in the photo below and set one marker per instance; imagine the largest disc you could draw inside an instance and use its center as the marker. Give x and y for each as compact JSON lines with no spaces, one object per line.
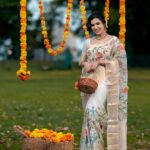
{"x":48,"y":100}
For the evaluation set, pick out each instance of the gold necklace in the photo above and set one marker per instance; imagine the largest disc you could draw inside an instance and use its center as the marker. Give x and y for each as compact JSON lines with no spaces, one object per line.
{"x":101,"y":37}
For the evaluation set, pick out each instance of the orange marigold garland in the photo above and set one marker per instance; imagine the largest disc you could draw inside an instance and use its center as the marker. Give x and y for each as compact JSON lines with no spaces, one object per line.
{"x":23,"y":73}
{"x":83,"y":17}
{"x":106,"y":12}
{"x":122,"y":21}
{"x":66,"y":29}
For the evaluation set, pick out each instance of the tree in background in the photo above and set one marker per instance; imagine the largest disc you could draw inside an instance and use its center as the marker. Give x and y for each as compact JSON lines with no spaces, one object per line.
{"x":10,"y":24}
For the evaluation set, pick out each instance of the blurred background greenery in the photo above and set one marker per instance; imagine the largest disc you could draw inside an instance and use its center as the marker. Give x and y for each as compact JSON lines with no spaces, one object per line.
{"x":137,"y":35}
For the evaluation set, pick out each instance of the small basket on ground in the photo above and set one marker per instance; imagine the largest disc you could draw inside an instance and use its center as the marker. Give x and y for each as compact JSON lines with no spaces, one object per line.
{"x":41,"y":143}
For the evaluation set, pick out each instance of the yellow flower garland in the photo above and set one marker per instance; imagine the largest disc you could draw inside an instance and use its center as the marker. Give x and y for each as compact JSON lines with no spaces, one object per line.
{"x":122,"y":21}
{"x":66,"y":29}
{"x":106,"y":12}
{"x":83,"y":18}
{"x":23,"y":73}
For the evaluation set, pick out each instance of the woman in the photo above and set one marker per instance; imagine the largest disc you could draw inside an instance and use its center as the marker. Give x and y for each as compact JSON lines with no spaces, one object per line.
{"x":107,"y":53}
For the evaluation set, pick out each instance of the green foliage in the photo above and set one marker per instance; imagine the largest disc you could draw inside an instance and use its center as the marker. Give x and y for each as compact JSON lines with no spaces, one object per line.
{"x":10,"y":22}
{"x":11,"y":3}
{"x":48,"y":100}
{"x":9,"y":17}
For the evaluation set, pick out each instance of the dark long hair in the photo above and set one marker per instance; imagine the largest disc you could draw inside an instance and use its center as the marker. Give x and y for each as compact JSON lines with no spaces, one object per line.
{"x":93,"y":16}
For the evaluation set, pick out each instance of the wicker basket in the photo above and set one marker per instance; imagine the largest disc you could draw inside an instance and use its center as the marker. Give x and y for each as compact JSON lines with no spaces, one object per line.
{"x":87,"y":85}
{"x":67,"y":145}
{"x":41,"y":144}
{"x":35,"y":144}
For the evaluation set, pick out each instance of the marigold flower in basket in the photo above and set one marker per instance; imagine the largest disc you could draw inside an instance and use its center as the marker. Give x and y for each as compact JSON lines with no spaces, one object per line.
{"x":76,"y":85}
{"x":27,"y":132}
{"x":50,"y":135}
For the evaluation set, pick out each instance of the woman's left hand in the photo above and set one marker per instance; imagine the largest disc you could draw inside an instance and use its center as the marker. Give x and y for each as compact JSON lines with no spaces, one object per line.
{"x":93,"y":66}
{"x":100,"y":58}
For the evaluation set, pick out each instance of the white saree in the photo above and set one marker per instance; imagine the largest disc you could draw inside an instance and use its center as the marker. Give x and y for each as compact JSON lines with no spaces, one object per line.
{"x":112,"y":90}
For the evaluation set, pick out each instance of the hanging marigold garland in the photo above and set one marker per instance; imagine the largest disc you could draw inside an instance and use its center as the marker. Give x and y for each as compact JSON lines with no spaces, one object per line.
{"x":66,"y":29}
{"x":83,"y":18}
{"x":122,"y":21}
{"x":106,"y":12}
{"x":23,"y":73}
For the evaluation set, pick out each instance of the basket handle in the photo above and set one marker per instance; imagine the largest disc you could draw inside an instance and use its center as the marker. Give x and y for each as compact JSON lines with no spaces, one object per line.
{"x":19,"y":130}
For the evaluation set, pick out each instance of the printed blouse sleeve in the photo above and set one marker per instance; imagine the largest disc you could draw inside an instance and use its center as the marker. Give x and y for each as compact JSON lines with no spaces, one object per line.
{"x":120,"y":54}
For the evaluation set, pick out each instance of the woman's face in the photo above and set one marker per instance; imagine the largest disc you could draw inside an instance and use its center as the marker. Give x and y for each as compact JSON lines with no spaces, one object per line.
{"x":97,"y":26}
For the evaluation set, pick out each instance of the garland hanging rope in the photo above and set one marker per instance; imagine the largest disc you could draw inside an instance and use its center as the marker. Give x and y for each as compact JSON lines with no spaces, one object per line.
{"x":23,"y":73}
